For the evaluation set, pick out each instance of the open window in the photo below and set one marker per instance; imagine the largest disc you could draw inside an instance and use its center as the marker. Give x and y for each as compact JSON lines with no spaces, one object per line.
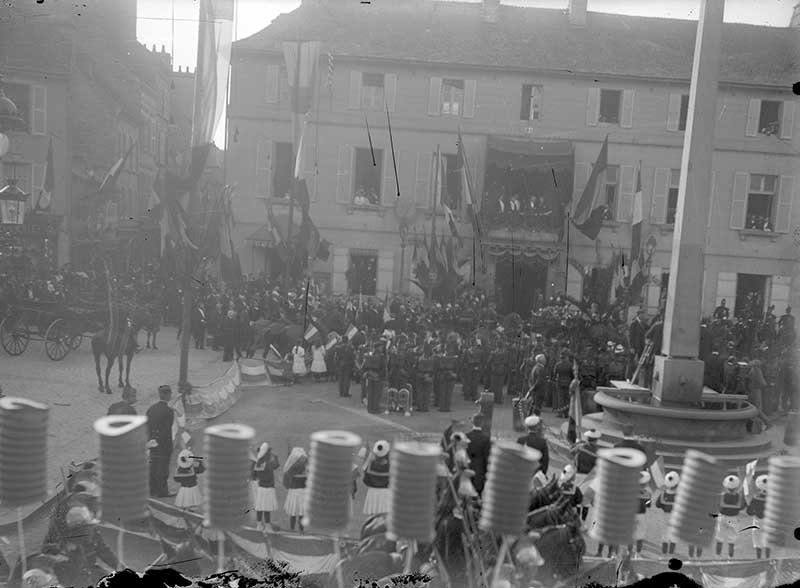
{"x":610,"y":106}
{"x":452,"y":97}
{"x":760,"y":214}
{"x":368,"y":174}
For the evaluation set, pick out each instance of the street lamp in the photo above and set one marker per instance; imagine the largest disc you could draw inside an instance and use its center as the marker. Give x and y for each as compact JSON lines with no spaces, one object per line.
{"x":12,"y":203}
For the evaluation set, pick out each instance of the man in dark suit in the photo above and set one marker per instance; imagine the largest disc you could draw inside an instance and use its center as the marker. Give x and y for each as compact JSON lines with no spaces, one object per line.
{"x":346,"y":358}
{"x":480,"y":445}
{"x":535,"y":440}
{"x":124,"y":406}
{"x":636,"y":333}
{"x":159,"y":425}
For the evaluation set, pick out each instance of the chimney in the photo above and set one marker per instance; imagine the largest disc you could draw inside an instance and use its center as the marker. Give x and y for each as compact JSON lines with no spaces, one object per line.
{"x":577,"y":12}
{"x":795,"y":20}
{"x":490,"y":11}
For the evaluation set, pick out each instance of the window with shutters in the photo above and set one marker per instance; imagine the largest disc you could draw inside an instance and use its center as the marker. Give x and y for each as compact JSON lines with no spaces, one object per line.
{"x":761,"y":203}
{"x":684,"y":114}
{"x":610,"y":106}
{"x":282,"y":170}
{"x":611,"y":190}
{"x":531,"y":103}
{"x":452,"y":97}
{"x":367,"y":184}
{"x":769,"y":119}
{"x":20,"y":95}
{"x":672,"y":195}
{"x":372,"y":91}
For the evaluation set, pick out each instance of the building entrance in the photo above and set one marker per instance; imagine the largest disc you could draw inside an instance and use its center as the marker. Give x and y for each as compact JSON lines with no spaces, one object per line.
{"x":520,"y":285}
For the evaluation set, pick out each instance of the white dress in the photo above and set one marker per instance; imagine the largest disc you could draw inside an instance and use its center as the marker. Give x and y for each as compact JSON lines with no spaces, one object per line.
{"x":318,"y":360}
{"x":299,"y":361}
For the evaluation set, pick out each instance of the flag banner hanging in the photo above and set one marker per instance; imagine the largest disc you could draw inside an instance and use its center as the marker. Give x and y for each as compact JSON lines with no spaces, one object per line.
{"x":302,"y":75}
{"x":46,"y":195}
{"x":637,"y":261}
{"x":213,"y":62}
{"x":590,"y":209}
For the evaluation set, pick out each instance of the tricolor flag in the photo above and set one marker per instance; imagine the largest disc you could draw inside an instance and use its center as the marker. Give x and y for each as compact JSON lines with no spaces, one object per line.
{"x":310,"y":332}
{"x":350,"y":332}
{"x":469,"y":192}
{"x":657,"y":473}
{"x":46,"y":195}
{"x":590,"y":209}
{"x":109,"y":182}
{"x":637,"y":260}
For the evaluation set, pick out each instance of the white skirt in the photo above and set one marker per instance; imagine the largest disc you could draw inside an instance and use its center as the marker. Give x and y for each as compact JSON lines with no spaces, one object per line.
{"x":266,"y":500}
{"x":318,"y":366}
{"x":253,"y":491}
{"x":376,"y":501}
{"x":663,"y":525}
{"x":727,"y":531}
{"x":641,"y":527}
{"x":299,"y":366}
{"x":188,"y":497}
{"x":759,"y":541}
{"x":295,"y":505}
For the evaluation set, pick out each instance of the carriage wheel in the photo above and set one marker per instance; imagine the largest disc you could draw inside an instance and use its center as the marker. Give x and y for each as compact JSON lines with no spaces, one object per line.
{"x":56,"y":340}
{"x":14,"y":335}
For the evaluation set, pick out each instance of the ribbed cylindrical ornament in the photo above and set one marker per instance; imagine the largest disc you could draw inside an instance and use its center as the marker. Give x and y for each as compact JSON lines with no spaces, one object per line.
{"x":617,"y":497}
{"x":782,"y":510}
{"x":23,"y":451}
{"x":697,"y":499}
{"x":413,"y":475}
{"x":226,"y":453}
{"x":506,"y":495}
{"x":124,"y":481}
{"x":330,"y":480}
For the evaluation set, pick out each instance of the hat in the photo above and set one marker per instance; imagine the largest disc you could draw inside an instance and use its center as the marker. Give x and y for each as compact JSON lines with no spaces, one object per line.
{"x":185,"y":459}
{"x":731,"y":483}
{"x":609,"y":344}
{"x":381,"y":449}
{"x":619,"y":349}
{"x":262,"y":450}
{"x":532,"y":421}
{"x":644,"y":477}
{"x":761,"y":483}
{"x":592,"y":434}
{"x":80,"y":515}
{"x":567,"y":474}
{"x":164,"y":389}
{"x":672,"y":479}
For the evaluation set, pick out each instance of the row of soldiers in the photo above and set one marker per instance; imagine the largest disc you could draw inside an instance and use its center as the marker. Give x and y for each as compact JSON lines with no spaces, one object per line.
{"x":422,"y":370}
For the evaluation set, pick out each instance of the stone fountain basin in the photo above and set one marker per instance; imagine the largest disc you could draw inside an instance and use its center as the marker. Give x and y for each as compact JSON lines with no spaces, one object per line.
{"x":673,"y":422}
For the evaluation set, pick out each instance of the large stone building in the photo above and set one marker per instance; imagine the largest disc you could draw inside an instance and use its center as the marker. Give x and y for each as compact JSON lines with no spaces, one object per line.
{"x":81,"y":79}
{"x":536,"y":90}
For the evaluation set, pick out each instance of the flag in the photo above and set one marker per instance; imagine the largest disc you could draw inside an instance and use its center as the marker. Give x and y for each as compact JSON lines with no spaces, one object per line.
{"x":575,"y":410}
{"x":301,"y":60}
{"x":230,"y":267}
{"x":169,"y":190}
{"x":657,"y":473}
{"x":215,"y":36}
{"x":387,"y":316}
{"x":310,"y":332}
{"x":637,"y":260}
{"x":273,"y":227}
{"x":749,"y":474}
{"x":589,"y":211}
{"x":469,"y":192}
{"x":433,"y":258}
{"x":350,"y":332}
{"x":109,"y":183}
{"x":46,"y":195}
{"x":451,"y":220}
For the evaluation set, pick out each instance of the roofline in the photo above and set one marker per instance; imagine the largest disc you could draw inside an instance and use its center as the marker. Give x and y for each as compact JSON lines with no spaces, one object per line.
{"x":546,"y":72}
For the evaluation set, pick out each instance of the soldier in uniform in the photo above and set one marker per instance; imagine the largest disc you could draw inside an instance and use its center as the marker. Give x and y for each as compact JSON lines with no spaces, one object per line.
{"x":448,"y":364}
{"x":498,"y":364}
{"x":563,"y":375}
{"x":345,"y":360}
{"x":472,"y":368}
{"x":375,"y":370}
{"x":426,"y":371}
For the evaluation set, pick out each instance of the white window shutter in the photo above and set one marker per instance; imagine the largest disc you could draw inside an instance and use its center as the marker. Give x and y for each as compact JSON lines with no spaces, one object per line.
{"x":422,"y":184}
{"x":310,"y":172}
{"x":592,"y":107}
{"x":780,"y":292}
{"x":673,"y":112}
{"x":581,"y":179}
{"x":344,"y":172}
{"x":390,"y":91}
{"x":625,"y":207}
{"x":470,"y":87}
{"x":753,"y":114}
{"x":739,"y":200}
{"x":658,"y":207}
{"x":389,"y":190}
{"x":714,"y":199}
{"x":435,"y":97}
{"x":787,"y":120}
{"x":39,"y":115}
{"x":726,"y":288}
{"x":626,"y":120}
{"x":783,"y":212}
{"x":263,"y":167}
{"x":355,"y":90}
{"x":272,"y":95}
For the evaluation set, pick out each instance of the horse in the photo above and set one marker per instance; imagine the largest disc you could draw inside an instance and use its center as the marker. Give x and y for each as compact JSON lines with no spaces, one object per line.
{"x":122,"y":345}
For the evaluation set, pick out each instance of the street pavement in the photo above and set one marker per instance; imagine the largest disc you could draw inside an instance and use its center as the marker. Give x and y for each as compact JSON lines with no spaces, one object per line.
{"x":284,"y":416}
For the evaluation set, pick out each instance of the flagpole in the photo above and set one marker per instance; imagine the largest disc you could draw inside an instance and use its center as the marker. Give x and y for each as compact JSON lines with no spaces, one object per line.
{"x":566,"y":265}
{"x":290,"y":257}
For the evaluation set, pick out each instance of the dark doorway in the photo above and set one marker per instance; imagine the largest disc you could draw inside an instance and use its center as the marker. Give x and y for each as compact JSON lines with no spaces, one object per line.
{"x":520,"y":285}
{"x":750,"y":291}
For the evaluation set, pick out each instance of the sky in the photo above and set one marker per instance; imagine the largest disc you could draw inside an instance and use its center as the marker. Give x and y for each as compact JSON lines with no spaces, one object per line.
{"x":155,"y":24}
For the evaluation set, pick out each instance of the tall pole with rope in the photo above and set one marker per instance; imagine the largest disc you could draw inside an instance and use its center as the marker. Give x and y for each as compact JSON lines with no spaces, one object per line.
{"x":296,"y":139}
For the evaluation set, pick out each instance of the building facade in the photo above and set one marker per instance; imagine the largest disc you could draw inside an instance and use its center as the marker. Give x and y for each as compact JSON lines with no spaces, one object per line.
{"x":534,"y":92}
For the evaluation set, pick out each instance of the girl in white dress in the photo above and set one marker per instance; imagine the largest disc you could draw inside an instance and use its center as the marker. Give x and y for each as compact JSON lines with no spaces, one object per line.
{"x":318,"y":366}
{"x":298,"y":360}
{"x":294,"y":480}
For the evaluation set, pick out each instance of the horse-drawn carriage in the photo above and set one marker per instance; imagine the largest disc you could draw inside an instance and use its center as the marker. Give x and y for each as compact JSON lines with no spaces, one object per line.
{"x":60,"y":325}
